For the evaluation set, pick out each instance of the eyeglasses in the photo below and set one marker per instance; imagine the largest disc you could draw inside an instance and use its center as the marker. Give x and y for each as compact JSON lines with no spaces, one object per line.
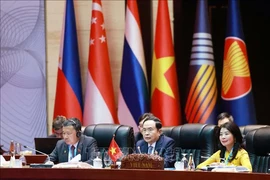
{"x":149,"y":130}
{"x":67,"y":133}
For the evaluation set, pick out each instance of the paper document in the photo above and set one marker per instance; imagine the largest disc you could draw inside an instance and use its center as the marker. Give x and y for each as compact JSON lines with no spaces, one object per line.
{"x":76,"y":158}
{"x":2,"y":160}
{"x":82,"y":165}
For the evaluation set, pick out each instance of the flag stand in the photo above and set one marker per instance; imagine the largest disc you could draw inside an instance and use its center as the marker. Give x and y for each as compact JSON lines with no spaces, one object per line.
{"x":114,"y":165}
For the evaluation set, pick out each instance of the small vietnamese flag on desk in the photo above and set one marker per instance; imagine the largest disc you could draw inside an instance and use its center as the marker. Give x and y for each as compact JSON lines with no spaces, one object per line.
{"x":114,"y":151}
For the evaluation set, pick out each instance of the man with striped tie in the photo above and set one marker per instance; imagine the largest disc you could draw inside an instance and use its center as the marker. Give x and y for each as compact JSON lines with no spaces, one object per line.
{"x":74,"y":143}
{"x":154,"y":142}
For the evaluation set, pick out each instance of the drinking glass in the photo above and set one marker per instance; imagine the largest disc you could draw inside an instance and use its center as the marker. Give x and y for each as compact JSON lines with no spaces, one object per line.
{"x":184,"y":160}
{"x":179,"y":164}
{"x":18,"y":148}
{"x":107,"y":159}
{"x":125,"y":151}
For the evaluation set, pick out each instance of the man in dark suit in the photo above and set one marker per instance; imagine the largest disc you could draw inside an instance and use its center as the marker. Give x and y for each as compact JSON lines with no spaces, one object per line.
{"x":57,"y":127}
{"x":223,"y":118}
{"x":74,"y":143}
{"x":138,"y":135}
{"x":154,"y":142}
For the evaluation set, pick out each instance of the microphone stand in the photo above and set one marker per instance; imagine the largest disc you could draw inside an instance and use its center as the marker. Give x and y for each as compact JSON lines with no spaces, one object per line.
{"x":48,"y":161}
{"x":139,"y":149}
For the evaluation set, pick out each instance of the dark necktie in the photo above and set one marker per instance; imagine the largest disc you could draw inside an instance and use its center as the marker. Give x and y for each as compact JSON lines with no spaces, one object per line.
{"x":150,"y":149}
{"x":72,"y":151}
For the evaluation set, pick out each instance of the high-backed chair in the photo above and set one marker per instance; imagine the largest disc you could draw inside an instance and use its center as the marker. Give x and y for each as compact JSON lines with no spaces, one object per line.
{"x":167,"y":130}
{"x":245,"y":129}
{"x":248,"y":128}
{"x":198,"y":139}
{"x":103,"y":133}
{"x":258,"y":148}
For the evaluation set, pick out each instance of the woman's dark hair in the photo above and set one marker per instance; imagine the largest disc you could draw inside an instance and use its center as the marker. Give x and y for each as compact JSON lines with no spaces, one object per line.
{"x":234,"y":129}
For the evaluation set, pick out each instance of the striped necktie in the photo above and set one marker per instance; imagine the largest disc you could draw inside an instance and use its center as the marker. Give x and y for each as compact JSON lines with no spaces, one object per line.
{"x":72,"y":151}
{"x":150,"y":149}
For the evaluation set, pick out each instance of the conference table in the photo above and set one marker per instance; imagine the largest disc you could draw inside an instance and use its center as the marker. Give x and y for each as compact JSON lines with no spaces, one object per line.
{"x":123,"y":174}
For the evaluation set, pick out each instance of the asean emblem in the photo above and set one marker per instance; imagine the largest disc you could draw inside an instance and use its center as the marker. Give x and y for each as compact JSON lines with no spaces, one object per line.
{"x":236,"y":81}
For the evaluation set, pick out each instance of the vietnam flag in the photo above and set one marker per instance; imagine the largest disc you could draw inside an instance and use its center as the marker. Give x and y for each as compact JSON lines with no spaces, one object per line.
{"x":99,"y":95}
{"x":68,"y":98}
{"x":114,"y":151}
{"x":164,"y":90}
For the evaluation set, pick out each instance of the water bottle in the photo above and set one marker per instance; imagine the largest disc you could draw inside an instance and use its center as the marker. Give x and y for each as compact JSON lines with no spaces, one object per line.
{"x":12,"y":148}
{"x":23,"y":160}
{"x":12,"y":154}
{"x":191,"y":164}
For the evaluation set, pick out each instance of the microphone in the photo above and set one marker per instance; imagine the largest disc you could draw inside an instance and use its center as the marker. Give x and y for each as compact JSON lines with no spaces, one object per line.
{"x":48,"y":161}
{"x":139,"y":149}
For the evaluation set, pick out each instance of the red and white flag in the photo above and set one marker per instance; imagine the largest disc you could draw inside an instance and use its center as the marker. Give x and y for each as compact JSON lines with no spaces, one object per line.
{"x":99,"y":97}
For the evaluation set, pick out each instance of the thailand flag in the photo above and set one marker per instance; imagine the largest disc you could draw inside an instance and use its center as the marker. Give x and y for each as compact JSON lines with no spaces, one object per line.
{"x":236,"y":92}
{"x":68,"y":98}
{"x":133,"y":98}
{"x":99,"y":95}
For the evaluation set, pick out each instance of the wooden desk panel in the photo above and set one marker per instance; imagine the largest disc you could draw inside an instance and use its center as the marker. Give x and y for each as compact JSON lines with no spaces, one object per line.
{"x":115,"y":174}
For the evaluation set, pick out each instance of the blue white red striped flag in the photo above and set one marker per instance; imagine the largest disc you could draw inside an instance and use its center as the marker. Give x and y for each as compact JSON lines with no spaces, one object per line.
{"x":236,"y":92}
{"x":202,"y":87}
{"x":133,"y":98}
{"x":68,"y":98}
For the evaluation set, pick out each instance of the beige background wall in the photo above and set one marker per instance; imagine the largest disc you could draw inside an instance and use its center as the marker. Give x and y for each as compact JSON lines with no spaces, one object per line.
{"x":114,"y":15}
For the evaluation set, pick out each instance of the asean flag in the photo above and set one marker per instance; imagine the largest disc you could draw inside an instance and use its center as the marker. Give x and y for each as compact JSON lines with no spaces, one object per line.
{"x":202,"y":89}
{"x":236,"y":92}
{"x":164,"y":88}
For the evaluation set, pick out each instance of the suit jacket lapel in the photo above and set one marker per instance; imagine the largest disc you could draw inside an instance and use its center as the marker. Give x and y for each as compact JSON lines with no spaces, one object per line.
{"x":65,"y":152}
{"x":144,"y":147}
{"x":159,"y":143}
{"x":79,"y":146}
